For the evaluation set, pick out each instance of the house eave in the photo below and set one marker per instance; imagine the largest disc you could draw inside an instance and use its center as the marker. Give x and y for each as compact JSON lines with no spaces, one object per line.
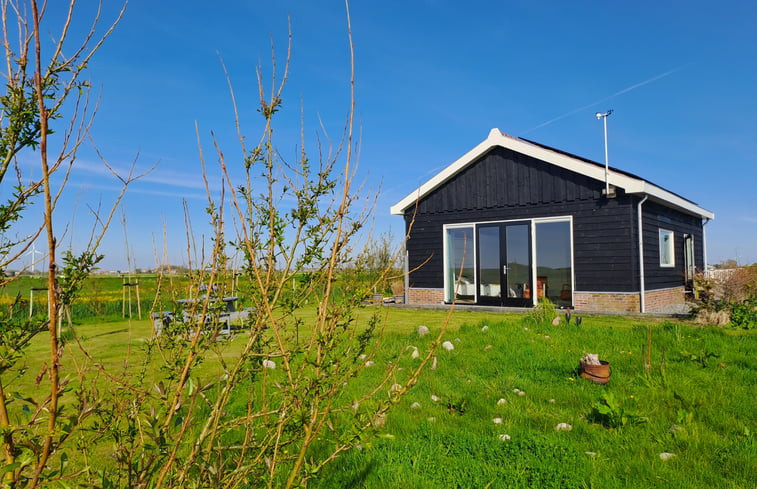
{"x":496,"y":138}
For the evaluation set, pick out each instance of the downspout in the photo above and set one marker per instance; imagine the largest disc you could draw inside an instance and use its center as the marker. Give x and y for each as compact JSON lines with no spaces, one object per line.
{"x":704,"y":243}
{"x":641,"y":257}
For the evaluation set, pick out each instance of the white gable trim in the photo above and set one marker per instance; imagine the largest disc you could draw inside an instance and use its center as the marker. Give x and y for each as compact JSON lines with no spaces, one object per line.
{"x":496,"y":138}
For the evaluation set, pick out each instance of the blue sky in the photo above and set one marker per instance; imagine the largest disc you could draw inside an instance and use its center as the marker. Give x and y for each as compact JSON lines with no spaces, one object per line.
{"x":433,"y":77}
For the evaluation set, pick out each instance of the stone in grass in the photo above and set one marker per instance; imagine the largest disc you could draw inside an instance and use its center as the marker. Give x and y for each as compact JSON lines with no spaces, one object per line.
{"x":497,"y":421}
{"x":422,"y":330}
{"x":415,"y":405}
{"x":563,"y":427}
{"x":488,"y":347}
{"x":591,"y":454}
{"x":501,"y":401}
{"x":447,"y":345}
{"x":484,"y":327}
{"x":504,"y":437}
{"x":415,"y":353}
{"x":434,"y":398}
{"x":556,"y":321}
{"x":369,"y":363}
{"x":667,"y":456}
{"x":379,"y":421}
{"x":269,"y":364}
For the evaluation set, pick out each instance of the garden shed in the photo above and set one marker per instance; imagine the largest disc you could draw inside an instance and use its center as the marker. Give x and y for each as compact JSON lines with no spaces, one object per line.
{"x":513,"y":221}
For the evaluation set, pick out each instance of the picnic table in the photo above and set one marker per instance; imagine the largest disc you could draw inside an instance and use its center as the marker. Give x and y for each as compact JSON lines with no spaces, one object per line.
{"x":228,"y":319}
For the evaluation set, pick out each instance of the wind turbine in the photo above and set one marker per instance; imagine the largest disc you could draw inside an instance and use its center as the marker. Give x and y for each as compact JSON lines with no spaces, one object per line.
{"x":33,"y":252}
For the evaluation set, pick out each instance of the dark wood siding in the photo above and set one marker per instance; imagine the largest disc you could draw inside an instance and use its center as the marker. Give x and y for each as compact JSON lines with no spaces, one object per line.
{"x":656,"y":217}
{"x":504,"y":185}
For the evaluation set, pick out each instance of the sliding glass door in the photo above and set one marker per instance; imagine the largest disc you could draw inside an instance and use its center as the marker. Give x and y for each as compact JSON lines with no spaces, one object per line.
{"x":504,"y":264}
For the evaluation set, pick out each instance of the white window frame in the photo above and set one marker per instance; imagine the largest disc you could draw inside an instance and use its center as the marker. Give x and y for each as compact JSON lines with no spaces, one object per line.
{"x":671,"y":248}
{"x":533,"y":221}
{"x":448,"y":298}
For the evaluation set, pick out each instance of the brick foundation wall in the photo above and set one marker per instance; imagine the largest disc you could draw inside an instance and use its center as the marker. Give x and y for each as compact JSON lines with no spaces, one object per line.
{"x":425,"y":296}
{"x":656,"y":300}
{"x":606,"y":301}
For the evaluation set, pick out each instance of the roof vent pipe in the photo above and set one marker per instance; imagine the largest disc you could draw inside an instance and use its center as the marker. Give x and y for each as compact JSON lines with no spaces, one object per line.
{"x":604,"y":116}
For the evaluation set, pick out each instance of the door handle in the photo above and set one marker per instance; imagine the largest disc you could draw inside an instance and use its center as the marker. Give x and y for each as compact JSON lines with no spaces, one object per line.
{"x":504,"y":269}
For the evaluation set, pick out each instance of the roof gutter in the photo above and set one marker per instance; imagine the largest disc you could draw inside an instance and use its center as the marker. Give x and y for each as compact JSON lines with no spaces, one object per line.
{"x":641,"y":257}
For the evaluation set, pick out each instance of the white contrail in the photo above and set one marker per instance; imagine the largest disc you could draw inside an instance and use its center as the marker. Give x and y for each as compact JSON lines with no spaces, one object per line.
{"x":609,"y":97}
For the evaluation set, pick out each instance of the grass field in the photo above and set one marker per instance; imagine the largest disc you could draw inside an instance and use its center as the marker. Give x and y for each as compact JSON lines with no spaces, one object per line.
{"x":698,"y":403}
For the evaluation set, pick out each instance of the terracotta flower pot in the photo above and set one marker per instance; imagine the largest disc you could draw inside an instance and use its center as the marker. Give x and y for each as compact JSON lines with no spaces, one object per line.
{"x":599,"y":374}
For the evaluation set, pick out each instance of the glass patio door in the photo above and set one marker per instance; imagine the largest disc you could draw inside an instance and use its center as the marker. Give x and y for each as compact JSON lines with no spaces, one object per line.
{"x":504,"y":264}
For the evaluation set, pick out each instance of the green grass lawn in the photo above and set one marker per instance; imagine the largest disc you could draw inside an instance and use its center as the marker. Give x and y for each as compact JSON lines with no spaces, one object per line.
{"x":701,"y":409}
{"x":698,"y":404}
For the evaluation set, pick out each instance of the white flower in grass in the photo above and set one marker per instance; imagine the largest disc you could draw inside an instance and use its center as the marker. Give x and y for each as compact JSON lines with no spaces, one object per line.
{"x":415,"y":405}
{"x":497,"y":421}
{"x":504,"y":437}
{"x":501,"y":401}
{"x":447,"y":345}
{"x":270,"y":364}
{"x":369,"y":363}
{"x":434,"y":398}
{"x":552,"y":401}
{"x":488,"y":347}
{"x":519,"y":392}
{"x":363,"y":356}
{"x":415,"y":354}
{"x":563,"y":427}
{"x":667,"y":456}
{"x":395,"y":388}
{"x":525,"y":329}
{"x":422,"y":330}
{"x":484,"y":327}
{"x":433,"y":364}
{"x":355,"y":406}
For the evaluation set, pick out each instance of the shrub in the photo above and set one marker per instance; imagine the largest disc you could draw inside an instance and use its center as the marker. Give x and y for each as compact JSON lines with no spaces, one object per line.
{"x":543,"y":314}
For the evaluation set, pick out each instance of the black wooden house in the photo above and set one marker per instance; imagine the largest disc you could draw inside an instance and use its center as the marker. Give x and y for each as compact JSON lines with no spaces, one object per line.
{"x":513,"y":221}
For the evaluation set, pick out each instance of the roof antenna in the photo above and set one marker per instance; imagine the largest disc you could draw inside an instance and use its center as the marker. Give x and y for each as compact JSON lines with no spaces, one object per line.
{"x":604,"y":116}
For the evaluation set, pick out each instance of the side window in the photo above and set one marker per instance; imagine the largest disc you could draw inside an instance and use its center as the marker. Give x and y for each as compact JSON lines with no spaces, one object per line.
{"x":667,"y":250}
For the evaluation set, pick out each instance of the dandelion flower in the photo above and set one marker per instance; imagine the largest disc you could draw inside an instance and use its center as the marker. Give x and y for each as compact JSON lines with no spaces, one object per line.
{"x":270,"y":364}
{"x":422,"y":330}
{"x":415,"y":354}
{"x":447,"y":345}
